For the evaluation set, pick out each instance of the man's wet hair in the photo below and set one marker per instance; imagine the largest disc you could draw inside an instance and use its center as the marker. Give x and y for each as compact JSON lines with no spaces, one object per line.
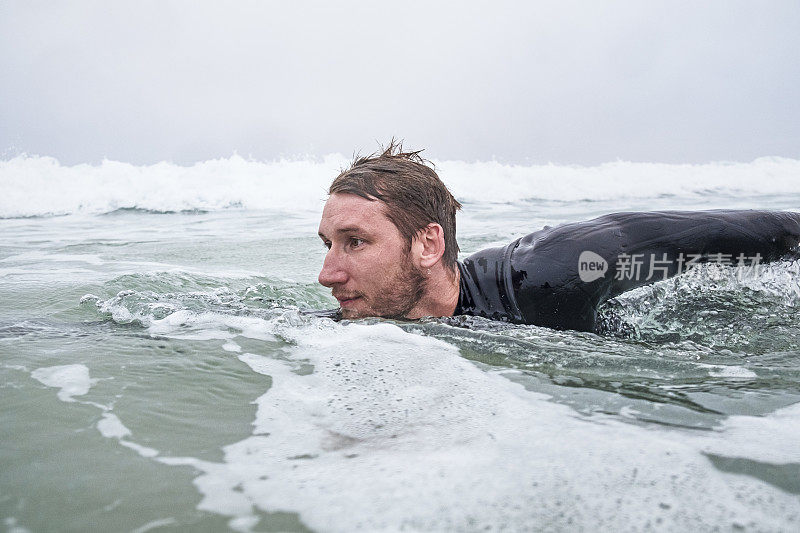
{"x":408,"y":186}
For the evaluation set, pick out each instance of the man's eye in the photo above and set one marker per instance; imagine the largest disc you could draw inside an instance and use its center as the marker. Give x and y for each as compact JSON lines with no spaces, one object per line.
{"x":355,"y":242}
{"x":327,"y":244}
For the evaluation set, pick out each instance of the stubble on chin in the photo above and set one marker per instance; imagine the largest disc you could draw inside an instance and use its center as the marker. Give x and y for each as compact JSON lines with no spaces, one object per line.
{"x":396,"y":301}
{"x":404,"y":294}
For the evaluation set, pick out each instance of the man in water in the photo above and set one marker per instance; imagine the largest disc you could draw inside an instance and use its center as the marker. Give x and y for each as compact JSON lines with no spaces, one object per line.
{"x":390,"y":228}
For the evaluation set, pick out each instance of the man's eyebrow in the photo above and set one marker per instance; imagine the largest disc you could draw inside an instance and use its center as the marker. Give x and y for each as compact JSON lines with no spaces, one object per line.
{"x":349,"y":229}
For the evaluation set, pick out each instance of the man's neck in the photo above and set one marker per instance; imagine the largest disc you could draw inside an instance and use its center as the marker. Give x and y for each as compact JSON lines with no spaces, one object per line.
{"x":441,"y":293}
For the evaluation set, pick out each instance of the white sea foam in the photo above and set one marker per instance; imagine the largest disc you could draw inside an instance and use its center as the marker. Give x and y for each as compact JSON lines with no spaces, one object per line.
{"x":34,"y":185}
{"x":184,"y":324}
{"x":144,"y":451}
{"x":110,"y":427}
{"x":73,"y":380}
{"x":731,"y":372}
{"x":397,"y":431}
{"x":772,"y":438}
{"x":231,"y":346}
{"x":496,"y":182}
{"x":154,"y":524}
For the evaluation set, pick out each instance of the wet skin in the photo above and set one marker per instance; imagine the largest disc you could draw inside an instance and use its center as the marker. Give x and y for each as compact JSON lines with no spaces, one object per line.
{"x":368,"y":266}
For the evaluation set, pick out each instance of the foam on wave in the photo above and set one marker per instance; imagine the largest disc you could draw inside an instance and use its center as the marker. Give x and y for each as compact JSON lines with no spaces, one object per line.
{"x":396,"y":431}
{"x":41,"y":186}
{"x":71,"y":380}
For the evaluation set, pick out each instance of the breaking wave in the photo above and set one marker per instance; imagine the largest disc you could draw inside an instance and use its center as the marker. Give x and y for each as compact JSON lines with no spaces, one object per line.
{"x":41,"y":186}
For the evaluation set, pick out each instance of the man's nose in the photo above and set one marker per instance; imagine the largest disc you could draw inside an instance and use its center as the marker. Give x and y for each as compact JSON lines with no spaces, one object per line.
{"x":332,"y":271}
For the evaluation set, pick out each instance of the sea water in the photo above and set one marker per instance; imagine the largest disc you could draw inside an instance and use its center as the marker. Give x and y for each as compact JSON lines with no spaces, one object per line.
{"x":157,"y":373}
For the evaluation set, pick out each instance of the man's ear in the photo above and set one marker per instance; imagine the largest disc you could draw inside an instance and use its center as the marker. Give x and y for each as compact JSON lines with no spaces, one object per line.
{"x":431,"y":242}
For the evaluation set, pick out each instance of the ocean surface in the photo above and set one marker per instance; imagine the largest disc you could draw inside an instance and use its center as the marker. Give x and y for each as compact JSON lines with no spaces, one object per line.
{"x":157,"y":374}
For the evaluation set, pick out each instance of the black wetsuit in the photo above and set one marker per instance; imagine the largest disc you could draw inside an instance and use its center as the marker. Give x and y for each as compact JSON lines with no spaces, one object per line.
{"x":541,"y":278}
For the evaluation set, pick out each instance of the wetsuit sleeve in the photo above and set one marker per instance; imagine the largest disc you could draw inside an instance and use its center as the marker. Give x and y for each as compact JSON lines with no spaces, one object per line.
{"x":561,"y":275}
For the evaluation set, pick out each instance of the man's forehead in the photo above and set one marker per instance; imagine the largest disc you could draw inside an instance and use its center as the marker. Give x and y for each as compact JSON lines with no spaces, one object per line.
{"x":344,"y":211}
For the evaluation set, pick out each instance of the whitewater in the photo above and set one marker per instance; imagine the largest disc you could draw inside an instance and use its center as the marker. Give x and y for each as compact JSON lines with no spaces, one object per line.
{"x":157,"y":371}
{"x":40,"y":186}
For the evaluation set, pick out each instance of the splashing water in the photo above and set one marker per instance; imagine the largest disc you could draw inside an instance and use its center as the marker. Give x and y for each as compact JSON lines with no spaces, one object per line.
{"x":157,"y":370}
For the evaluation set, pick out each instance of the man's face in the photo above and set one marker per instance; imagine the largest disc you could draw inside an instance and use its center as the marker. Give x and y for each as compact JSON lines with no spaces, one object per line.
{"x":368,"y":267}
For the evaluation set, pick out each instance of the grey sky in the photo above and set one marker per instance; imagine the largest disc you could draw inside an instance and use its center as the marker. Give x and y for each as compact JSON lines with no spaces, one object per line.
{"x":567,"y":82}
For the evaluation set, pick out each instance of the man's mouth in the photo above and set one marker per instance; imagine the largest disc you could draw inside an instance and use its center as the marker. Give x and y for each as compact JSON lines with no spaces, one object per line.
{"x":345,"y":301}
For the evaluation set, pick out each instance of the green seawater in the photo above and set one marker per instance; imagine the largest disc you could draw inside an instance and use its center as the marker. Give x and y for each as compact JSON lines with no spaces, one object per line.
{"x":157,"y":374}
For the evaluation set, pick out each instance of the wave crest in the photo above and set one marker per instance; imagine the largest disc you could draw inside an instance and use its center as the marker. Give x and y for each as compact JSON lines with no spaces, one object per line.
{"x":41,"y":186}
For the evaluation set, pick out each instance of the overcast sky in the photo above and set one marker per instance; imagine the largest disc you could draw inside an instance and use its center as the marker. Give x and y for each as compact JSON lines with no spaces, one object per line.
{"x":523,"y":82}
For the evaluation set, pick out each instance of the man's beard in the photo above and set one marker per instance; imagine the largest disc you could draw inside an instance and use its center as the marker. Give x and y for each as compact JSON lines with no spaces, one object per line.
{"x":400,"y":297}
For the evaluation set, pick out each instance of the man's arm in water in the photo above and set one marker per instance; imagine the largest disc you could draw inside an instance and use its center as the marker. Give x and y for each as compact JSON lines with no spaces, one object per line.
{"x":554,"y":289}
